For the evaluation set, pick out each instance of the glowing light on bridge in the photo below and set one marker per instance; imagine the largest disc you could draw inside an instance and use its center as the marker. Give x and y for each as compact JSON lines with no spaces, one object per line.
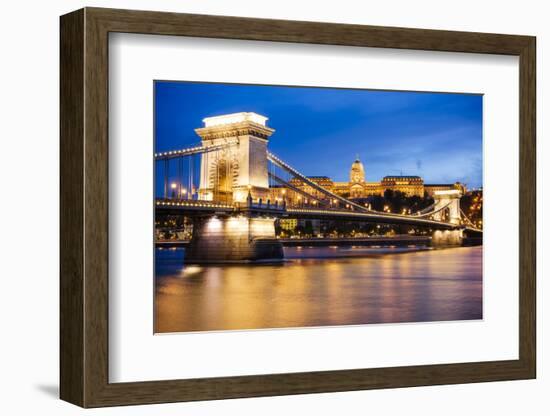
{"x":234,"y":118}
{"x":214,"y":224}
{"x":237,"y":224}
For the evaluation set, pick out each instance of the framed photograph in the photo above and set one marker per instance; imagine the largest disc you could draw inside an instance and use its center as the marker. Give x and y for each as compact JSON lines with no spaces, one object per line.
{"x":256,"y":207}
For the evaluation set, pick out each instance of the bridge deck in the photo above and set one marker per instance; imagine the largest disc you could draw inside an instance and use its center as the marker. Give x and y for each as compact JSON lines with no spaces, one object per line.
{"x":194,"y":207}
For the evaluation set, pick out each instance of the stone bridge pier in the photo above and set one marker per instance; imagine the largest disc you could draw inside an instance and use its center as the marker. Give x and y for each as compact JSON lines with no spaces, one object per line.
{"x":233,"y":239}
{"x":447,"y":238}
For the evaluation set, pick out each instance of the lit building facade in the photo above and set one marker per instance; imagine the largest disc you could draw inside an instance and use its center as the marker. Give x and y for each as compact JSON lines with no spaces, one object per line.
{"x":300,"y":193}
{"x":409,"y":185}
{"x":323,"y":181}
{"x":288,"y":224}
{"x":358,"y":187}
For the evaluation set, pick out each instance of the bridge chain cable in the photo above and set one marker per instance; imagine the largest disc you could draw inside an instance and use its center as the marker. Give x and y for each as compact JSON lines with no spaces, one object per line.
{"x":276,"y":178}
{"x":274,"y":159}
{"x":470,"y":223}
{"x":425,"y":210}
{"x":277,"y":161}
{"x":427,"y":214}
{"x":200,"y":148}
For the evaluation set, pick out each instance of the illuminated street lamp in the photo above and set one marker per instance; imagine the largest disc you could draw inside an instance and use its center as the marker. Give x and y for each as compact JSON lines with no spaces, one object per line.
{"x":173,"y":186}
{"x":283,"y":193}
{"x":183,"y":192}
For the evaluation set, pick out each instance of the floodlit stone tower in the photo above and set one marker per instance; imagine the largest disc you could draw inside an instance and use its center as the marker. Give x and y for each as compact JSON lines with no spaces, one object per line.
{"x":450,"y":198}
{"x":234,"y":170}
{"x":229,"y":174}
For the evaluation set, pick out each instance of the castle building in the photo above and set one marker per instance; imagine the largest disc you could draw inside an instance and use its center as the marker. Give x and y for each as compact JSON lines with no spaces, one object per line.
{"x":409,"y":185}
{"x":357,"y":187}
{"x":323,"y":181}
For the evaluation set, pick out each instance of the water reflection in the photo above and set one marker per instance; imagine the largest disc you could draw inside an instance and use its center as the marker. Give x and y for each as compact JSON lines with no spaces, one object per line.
{"x":320,"y":286}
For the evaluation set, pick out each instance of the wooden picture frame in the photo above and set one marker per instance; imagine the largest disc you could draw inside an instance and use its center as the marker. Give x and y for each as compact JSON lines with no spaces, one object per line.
{"x":84,"y":207}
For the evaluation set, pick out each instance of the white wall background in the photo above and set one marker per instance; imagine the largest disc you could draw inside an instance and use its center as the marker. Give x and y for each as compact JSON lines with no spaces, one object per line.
{"x":29,"y":173}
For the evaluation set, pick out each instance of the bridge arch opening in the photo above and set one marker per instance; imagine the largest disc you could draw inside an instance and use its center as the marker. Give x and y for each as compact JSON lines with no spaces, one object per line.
{"x":223,"y":177}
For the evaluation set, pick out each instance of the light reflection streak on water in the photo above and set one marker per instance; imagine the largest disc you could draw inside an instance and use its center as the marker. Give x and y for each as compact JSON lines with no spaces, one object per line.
{"x":320,"y":286}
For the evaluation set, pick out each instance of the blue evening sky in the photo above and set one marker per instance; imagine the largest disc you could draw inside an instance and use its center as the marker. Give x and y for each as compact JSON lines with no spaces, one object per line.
{"x":320,"y":131}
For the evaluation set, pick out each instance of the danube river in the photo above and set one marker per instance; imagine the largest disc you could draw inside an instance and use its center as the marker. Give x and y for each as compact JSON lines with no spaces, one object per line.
{"x":319,"y":286}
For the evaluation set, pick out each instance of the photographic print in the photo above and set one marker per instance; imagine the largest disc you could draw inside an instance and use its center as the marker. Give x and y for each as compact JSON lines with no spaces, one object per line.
{"x":295,"y":207}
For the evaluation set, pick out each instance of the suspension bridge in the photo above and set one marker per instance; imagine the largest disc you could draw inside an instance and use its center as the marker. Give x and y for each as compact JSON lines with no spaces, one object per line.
{"x":234,"y":189}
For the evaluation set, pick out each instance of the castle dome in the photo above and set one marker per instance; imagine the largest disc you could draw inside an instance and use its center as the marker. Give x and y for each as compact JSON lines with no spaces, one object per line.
{"x":357,"y":172}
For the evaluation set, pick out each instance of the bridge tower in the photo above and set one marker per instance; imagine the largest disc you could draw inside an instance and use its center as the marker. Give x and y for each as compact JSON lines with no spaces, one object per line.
{"x":447,"y":200}
{"x":234,"y":173}
{"x":230,"y":173}
{"x":451,"y":200}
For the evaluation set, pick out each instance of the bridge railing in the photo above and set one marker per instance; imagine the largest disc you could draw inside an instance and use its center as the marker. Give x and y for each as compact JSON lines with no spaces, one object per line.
{"x":191,"y":203}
